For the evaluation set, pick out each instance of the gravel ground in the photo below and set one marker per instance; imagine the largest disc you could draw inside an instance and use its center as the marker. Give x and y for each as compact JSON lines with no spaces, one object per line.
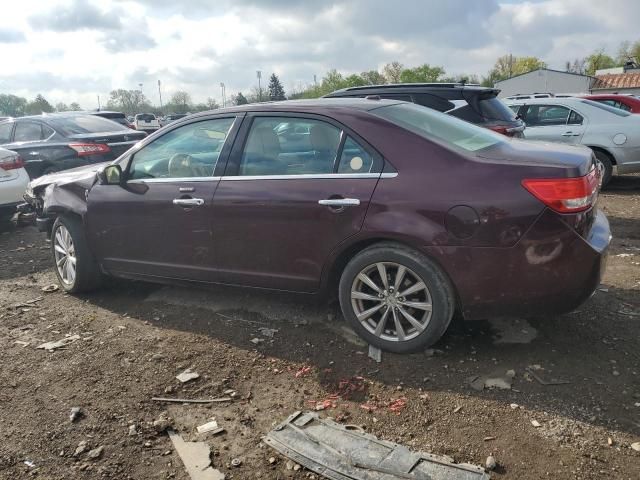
{"x":135,"y":338}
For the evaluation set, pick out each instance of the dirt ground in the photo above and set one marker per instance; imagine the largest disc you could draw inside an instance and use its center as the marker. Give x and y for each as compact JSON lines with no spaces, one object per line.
{"x":135,"y":338}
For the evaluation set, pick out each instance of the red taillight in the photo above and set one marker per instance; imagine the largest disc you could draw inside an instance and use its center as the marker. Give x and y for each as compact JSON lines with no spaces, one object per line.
{"x":500,"y":129}
{"x":12,"y":164}
{"x":565,"y":195}
{"x":85,"y":149}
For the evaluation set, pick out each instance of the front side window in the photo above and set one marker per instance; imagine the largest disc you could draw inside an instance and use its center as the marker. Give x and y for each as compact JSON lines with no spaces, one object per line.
{"x":434,"y":125}
{"x":289,"y":146}
{"x":5,"y":132}
{"x":27,"y":132}
{"x":188,"y":151}
{"x":546,"y":115}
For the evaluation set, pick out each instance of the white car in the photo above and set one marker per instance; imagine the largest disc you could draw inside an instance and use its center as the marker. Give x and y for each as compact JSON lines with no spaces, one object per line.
{"x":146,"y":122}
{"x":612,"y":134}
{"x":13,"y":183}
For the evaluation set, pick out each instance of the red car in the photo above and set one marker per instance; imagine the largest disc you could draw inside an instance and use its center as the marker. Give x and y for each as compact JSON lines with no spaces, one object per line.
{"x":628,"y":103}
{"x":404,"y":213}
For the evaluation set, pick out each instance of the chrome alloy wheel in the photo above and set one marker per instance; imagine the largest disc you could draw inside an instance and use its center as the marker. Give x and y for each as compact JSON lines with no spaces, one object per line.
{"x":65,"y":255}
{"x":391,"y":301}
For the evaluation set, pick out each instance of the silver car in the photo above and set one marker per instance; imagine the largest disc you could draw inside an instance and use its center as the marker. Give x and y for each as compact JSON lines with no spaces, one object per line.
{"x":612,"y":134}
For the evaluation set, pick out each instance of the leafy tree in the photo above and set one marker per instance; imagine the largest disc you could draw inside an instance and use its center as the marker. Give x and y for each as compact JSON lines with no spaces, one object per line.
{"x":240,"y":99}
{"x":75,"y":106}
{"x":62,"y":107}
{"x":628,"y":52}
{"x":460,"y":78}
{"x":12,"y":105}
{"x":38,"y":105}
{"x":275,"y":89}
{"x":508,"y":66}
{"x":373,"y":77}
{"x":392,"y":72}
{"x":212,"y":104}
{"x":422,"y":74}
{"x":180,"y":102}
{"x":354,"y":80}
{"x":598,"y":60}
{"x":128,"y":101}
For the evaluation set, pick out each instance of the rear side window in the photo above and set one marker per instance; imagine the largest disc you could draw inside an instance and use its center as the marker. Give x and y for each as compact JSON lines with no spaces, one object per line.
{"x":354,"y":158}
{"x":607,"y":108}
{"x":81,"y":124}
{"x":434,"y":125}
{"x":494,"y":109}
{"x":27,"y":132}
{"x":432,"y":101}
{"x":5,"y":132}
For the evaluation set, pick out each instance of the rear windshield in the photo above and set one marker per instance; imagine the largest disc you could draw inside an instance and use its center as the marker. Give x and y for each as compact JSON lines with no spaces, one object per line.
{"x":602,"y":106}
{"x":147,"y":117}
{"x":431,"y":125}
{"x":111,"y":115}
{"x":79,"y":124}
{"x":489,"y":109}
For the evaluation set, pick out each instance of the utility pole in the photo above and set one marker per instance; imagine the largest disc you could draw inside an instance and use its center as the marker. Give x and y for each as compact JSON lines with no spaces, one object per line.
{"x":259,"y":75}
{"x":224,"y":97}
{"x":160,"y":95}
{"x":98,"y":102}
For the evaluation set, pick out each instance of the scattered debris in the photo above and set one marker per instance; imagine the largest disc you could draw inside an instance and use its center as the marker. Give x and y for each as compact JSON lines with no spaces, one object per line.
{"x":375,"y":353}
{"x":51,"y":346}
{"x":75,"y":414}
{"x":196,"y":458}
{"x":133,"y":430}
{"x":29,"y":464}
{"x":514,"y":406}
{"x":536,"y":423}
{"x":211,"y":427}
{"x":432,"y":352}
{"x":496,"y":380}
{"x":488,"y":439}
{"x":162,"y":423}
{"x":267,"y":332}
{"x":187,"y":376}
{"x":303,"y":372}
{"x":96,"y":453}
{"x":257,"y":341}
{"x":189,"y":400}
{"x":335,"y":451}
{"x":397,"y":405}
{"x":272,"y":460}
{"x":236,"y":462}
{"x":51,"y":288}
{"x":610,"y":441}
{"x":457,"y":409}
{"x":635,"y":446}
{"x":20,"y":342}
{"x":490,"y":464}
{"x":532,"y":371}
{"x":81,"y":448}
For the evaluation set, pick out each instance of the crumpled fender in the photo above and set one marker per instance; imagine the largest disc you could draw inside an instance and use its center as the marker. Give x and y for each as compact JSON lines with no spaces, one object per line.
{"x":65,"y":198}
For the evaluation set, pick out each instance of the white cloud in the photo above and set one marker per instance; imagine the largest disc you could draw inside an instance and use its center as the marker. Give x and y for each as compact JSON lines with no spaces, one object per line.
{"x":74,"y":50}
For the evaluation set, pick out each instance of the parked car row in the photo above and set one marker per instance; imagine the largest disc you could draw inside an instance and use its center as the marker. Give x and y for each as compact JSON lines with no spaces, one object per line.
{"x":405,"y":213}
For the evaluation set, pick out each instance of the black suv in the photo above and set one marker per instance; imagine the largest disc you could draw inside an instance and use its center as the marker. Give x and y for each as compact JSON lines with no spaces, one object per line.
{"x":473,"y":103}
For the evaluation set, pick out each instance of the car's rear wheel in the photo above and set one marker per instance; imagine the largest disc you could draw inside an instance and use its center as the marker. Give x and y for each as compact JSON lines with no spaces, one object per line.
{"x":396,"y":298}
{"x":605,"y":164}
{"x":75,"y":266}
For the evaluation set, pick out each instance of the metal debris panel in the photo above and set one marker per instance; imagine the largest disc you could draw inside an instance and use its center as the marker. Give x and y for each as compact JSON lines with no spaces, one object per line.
{"x":343,"y":452}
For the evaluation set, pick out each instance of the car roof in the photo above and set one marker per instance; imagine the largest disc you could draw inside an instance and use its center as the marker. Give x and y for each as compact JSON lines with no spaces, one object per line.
{"x":413,"y":87}
{"x":559,"y":100}
{"x":317,"y":105}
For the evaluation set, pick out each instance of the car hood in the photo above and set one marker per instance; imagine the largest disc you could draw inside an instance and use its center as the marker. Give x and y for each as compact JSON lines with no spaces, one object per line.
{"x":567,"y":160}
{"x":85,"y":175}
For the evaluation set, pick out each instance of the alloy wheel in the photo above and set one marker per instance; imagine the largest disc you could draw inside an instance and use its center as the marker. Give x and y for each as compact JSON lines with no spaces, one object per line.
{"x":391,"y":301}
{"x":65,"y":255}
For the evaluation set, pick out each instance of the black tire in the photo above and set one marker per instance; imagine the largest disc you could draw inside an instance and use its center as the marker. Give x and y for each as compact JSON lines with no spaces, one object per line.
{"x":607,"y":165}
{"x":441,"y":294}
{"x":87,"y":273}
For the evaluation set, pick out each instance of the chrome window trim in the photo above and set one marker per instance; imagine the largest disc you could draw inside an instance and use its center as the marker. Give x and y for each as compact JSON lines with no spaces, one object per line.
{"x":308,"y":176}
{"x":174,"y":180}
{"x":130,"y":142}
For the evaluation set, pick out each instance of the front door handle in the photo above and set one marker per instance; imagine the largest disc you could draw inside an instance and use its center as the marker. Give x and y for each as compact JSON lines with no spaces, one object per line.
{"x":340,"y":202}
{"x":570,"y":134}
{"x":188,"y":202}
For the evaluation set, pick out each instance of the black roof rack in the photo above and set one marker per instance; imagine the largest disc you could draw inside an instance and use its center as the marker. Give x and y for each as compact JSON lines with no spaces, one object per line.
{"x":405,"y":85}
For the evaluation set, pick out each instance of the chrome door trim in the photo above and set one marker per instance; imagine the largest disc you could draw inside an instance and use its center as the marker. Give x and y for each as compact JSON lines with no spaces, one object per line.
{"x":310,"y":176}
{"x":174,"y":180}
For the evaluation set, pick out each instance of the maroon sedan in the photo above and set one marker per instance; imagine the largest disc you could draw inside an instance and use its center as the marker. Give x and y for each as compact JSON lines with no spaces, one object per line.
{"x":406,"y":213}
{"x":628,"y":103}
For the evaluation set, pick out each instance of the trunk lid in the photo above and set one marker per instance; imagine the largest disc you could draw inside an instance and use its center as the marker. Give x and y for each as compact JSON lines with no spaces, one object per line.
{"x":118,"y":142}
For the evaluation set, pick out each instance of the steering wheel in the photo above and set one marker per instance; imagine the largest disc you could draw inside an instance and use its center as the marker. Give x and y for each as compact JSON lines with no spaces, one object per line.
{"x":180,"y":165}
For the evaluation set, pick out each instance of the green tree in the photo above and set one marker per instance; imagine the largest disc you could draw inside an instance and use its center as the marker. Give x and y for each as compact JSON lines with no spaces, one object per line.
{"x":12,"y":105}
{"x":599,"y":60}
{"x":275,"y":89}
{"x":240,"y":99}
{"x":62,"y":107}
{"x":180,"y":102}
{"x":75,"y":106}
{"x":392,"y":72}
{"x":422,"y":74}
{"x":508,"y":66}
{"x":38,"y":105}
{"x":354,"y":80}
{"x":373,"y":77}
{"x":128,"y":101}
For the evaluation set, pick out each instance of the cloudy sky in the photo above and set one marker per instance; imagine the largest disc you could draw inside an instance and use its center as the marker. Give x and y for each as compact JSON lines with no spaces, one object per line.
{"x":73,"y":50}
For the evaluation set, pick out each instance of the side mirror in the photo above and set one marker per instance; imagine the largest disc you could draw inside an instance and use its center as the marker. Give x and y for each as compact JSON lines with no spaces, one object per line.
{"x":110,"y":175}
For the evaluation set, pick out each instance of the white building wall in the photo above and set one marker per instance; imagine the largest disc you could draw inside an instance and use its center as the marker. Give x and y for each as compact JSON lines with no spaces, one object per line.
{"x":544,"y":81}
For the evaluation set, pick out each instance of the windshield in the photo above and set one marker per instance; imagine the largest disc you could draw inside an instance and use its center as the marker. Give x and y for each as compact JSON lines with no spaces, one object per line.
{"x":431,"y":125}
{"x":145,"y":117}
{"x":80,"y":124}
{"x":602,"y":106}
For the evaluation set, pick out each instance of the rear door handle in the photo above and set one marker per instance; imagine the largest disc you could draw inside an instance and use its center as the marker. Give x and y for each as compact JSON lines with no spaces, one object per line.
{"x":188,"y":202}
{"x":340,"y":202}
{"x":570,"y":134}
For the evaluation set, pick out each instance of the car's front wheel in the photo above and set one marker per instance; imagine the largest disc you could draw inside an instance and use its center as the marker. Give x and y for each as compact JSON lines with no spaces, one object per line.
{"x":396,"y":298}
{"x":75,"y":265}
